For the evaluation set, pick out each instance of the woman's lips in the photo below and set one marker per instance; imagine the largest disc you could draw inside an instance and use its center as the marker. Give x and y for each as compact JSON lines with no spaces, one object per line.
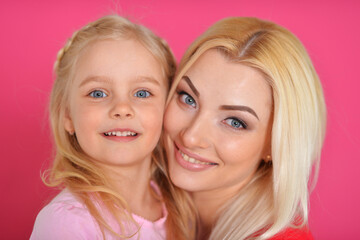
{"x":191,"y":161}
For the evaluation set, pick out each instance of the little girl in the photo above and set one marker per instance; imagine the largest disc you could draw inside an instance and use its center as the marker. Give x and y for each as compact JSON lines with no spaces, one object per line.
{"x":106,"y":110}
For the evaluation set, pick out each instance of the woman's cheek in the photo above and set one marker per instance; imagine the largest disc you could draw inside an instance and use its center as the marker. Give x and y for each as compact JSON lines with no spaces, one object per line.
{"x":239,"y":150}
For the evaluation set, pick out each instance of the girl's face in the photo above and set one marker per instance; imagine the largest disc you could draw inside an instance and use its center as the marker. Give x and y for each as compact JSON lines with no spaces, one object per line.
{"x":117,"y":102}
{"x":218,"y":125}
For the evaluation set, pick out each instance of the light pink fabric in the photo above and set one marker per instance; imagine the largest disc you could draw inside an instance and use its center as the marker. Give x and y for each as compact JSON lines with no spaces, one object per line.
{"x":66,"y":217}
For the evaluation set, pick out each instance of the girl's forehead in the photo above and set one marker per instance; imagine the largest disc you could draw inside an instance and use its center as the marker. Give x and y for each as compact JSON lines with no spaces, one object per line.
{"x":115,"y":58}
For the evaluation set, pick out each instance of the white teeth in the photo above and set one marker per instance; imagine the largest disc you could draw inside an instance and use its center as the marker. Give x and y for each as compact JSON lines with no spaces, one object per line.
{"x":193,"y":160}
{"x":120,"y":134}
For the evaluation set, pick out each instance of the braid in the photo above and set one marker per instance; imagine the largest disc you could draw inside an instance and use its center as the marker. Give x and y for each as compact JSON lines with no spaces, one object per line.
{"x":63,"y":50}
{"x":100,"y":25}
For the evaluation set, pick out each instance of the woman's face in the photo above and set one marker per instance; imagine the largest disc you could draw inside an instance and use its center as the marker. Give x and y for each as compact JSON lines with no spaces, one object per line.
{"x":218,"y":125}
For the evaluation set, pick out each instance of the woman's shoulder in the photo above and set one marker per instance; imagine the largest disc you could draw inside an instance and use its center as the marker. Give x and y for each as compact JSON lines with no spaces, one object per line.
{"x":64,"y":217}
{"x":294,"y":234}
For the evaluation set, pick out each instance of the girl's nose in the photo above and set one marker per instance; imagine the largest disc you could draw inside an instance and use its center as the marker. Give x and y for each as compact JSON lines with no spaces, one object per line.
{"x":196,"y":134}
{"x":122,"y":110}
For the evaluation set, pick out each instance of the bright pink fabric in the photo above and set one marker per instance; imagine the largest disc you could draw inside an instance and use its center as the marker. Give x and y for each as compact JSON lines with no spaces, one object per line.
{"x":294,"y":234}
{"x":66,"y":217}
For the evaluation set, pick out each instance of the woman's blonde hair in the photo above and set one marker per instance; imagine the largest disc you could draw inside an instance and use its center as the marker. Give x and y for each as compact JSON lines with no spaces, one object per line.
{"x":277,"y":196}
{"x":71,"y":167}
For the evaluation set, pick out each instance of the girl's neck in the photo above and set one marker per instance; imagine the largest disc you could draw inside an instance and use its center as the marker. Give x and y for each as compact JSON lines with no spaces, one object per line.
{"x":133,"y":184}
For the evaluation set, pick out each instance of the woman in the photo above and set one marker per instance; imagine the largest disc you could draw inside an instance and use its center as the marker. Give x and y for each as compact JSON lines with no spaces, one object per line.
{"x":244,"y":126}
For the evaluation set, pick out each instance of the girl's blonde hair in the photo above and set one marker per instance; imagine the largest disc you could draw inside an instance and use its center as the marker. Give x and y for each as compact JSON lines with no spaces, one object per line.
{"x":277,"y":196}
{"x":71,"y":167}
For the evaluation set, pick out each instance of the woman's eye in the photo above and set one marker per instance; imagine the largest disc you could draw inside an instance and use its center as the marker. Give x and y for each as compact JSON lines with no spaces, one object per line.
{"x":187,"y":99}
{"x":235,"y":123}
{"x":142,"y":94}
{"x":98,"y":94}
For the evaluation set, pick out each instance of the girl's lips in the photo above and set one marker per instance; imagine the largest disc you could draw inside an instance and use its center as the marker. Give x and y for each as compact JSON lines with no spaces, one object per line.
{"x":191,"y":161}
{"x":121,"y":135}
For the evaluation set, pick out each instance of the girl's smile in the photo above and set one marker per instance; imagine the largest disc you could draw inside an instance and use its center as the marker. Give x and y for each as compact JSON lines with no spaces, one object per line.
{"x":117,"y":102}
{"x":121,"y":135}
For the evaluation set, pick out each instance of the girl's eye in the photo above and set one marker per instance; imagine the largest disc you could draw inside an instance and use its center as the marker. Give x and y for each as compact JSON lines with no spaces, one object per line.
{"x":142,"y":94}
{"x":187,"y":99}
{"x":98,"y":94}
{"x":235,"y":123}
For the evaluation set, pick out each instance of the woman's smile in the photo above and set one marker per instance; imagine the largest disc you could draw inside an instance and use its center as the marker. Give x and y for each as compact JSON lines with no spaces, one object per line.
{"x":217,"y":124}
{"x":191,"y":161}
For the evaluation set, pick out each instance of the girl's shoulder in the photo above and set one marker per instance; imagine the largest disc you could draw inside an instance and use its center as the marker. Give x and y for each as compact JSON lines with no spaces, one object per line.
{"x":294,"y":234}
{"x":65,"y":217}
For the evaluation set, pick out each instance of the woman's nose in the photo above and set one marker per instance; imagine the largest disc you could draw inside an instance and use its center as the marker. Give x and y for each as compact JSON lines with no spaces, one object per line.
{"x":121,"y":110}
{"x":196,"y":134}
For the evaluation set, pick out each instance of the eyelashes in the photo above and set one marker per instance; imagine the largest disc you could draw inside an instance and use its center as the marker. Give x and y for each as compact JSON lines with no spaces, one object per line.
{"x":98,"y":94}
{"x":101,"y":94}
{"x":142,"y":94}
{"x":186,"y":99}
{"x":233,"y":122}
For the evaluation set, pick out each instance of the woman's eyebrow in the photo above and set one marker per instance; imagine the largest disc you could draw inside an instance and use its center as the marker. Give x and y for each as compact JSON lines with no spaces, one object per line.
{"x":240,"y":108}
{"x":191,"y":85}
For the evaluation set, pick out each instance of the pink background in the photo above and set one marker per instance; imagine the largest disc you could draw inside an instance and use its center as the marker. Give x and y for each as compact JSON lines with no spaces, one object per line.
{"x":33,"y":31}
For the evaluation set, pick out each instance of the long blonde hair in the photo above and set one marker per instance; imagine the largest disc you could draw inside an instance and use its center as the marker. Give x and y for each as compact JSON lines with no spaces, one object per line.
{"x":71,"y":168}
{"x":277,"y":196}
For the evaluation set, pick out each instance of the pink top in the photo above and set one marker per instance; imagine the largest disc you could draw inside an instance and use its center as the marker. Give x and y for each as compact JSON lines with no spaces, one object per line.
{"x":66,"y":217}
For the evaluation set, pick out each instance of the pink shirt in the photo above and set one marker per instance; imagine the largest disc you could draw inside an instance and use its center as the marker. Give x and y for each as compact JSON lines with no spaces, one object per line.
{"x":66,"y":217}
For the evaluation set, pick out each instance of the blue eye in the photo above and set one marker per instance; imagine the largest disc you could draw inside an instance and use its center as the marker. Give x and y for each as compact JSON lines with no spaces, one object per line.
{"x":187,"y":99}
{"x":98,"y":94}
{"x":235,"y":123}
{"x":142,"y":94}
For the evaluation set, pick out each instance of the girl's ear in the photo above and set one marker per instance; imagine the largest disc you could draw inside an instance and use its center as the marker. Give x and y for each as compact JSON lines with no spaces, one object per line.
{"x":68,"y":123}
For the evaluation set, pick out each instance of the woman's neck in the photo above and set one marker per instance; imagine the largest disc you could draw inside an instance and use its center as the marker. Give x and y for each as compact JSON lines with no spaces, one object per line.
{"x":209,"y":205}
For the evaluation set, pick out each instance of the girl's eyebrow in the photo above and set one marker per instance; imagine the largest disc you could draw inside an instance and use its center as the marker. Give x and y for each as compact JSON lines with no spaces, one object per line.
{"x":191,"y":85}
{"x":101,"y":79}
{"x":107,"y":80}
{"x":240,"y":108}
{"x":148,"y":79}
